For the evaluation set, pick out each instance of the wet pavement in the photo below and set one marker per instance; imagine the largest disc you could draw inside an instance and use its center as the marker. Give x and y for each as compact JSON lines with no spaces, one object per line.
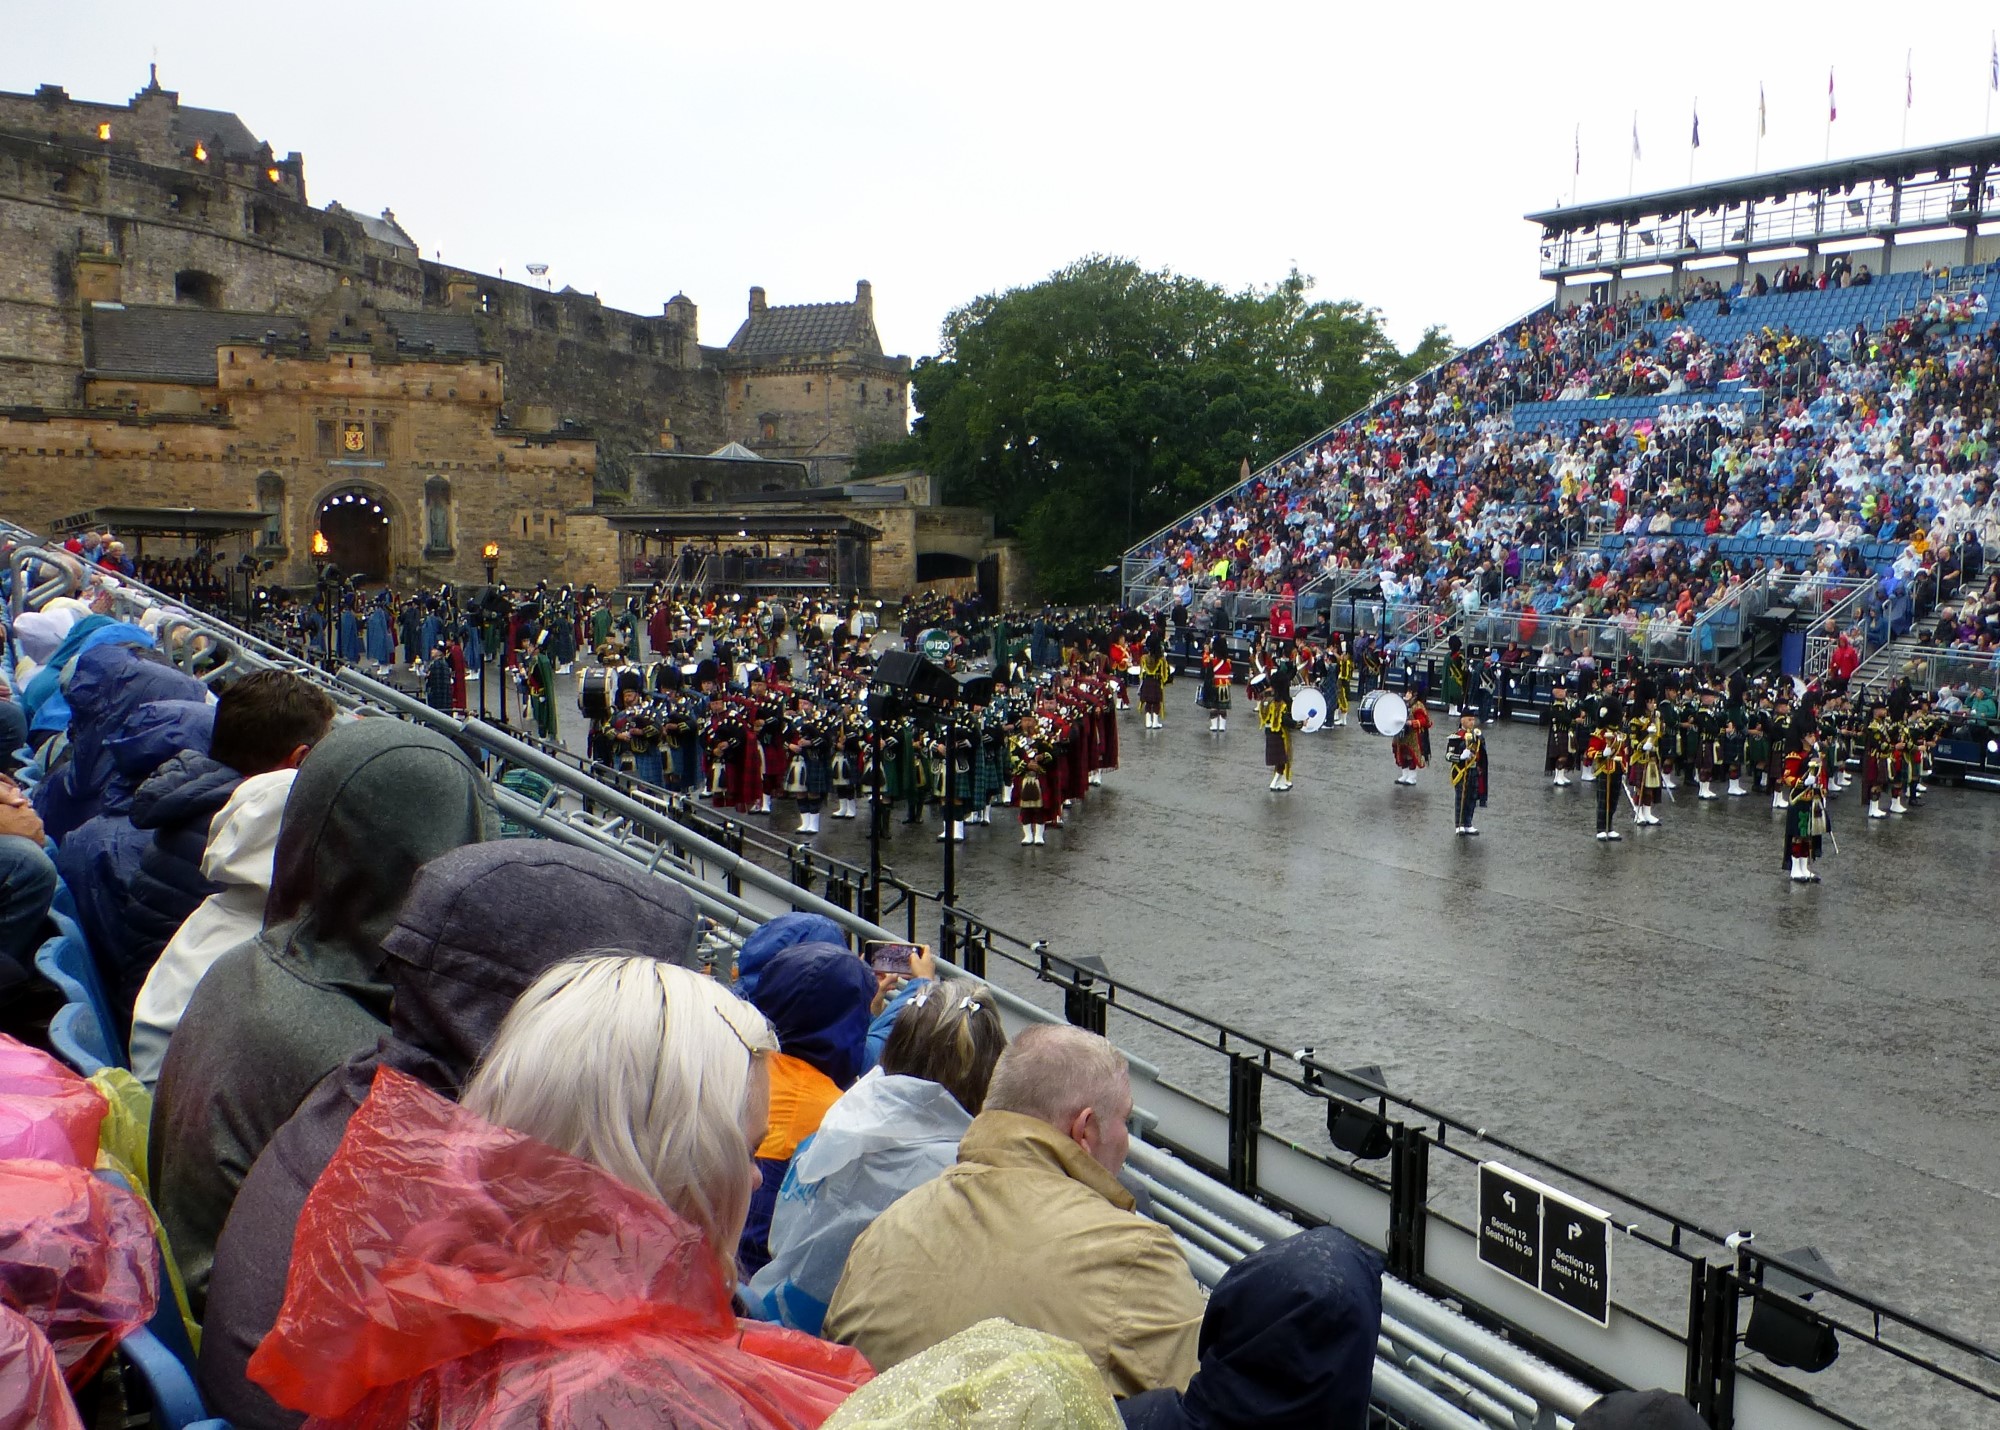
{"x":1669,"y":1013}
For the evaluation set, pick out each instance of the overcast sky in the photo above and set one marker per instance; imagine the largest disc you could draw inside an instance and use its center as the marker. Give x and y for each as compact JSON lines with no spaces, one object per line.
{"x":944,"y":150}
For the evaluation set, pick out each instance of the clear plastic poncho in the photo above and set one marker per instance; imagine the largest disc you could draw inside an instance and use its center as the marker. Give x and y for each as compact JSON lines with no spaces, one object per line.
{"x":991,"y":1376}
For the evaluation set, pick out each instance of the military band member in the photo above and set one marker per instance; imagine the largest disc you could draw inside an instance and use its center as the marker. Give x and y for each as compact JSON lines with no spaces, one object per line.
{"x":1465,"y":757}
{"x":1805,"y":792}
{"x":1412,"y":746}
{"x":1564,"y":740}
{"x":1217,"y":674}
{"x":1606,"y":756}
{"x":1031,"y":755}
{"x":1643,"y":755}
{"x":1154,"y":677}
{"x":1274,"y":713}
{"x":1343,"y":681}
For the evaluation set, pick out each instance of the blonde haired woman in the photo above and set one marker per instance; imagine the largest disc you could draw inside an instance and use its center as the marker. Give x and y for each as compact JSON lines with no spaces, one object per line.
{"x":559,"y":1248}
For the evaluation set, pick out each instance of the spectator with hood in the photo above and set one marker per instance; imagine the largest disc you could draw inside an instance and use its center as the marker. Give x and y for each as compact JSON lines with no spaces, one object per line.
{"x":374,"y":802}
{"x":817,"y":997}
{"x":558,"y":1250}
{"x":100,"y":857}
{"x":1641,"y":1410}
{"x":111,"y":683}
{"x":481,"y":924}
{"x":780,"y":933}
{"x":1287,"y":1343}
{"x":241,"y":846}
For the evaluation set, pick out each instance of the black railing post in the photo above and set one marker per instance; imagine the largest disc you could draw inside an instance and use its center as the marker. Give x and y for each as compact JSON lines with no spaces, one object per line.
{"x":1409,"y":1195}
{"x":732,"y":840}
{"x":1083,"y":1005}
{"x":973,"y":952}
{"x":1246,"y":1120}
{"x":1711,"y":1351}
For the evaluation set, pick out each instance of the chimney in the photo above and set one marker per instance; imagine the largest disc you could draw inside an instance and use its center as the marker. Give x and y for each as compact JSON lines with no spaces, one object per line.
{"x":756,"y":300}
{"x":864,"y":298}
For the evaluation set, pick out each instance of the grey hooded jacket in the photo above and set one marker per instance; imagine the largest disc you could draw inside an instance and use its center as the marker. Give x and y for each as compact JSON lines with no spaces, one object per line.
{"x":376,"y":800}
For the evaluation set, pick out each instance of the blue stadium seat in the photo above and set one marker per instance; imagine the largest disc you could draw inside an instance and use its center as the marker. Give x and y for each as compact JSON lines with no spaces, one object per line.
{"x":75,"y":1036}
{"x":66,"y":962}
{"x":163,"y":1356}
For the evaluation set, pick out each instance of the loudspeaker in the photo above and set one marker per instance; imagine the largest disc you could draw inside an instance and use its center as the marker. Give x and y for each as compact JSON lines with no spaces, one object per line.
{"x":908,"y":671}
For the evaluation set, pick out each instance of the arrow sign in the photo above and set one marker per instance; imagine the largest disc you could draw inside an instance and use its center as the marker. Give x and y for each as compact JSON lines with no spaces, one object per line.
{"x":1519,"y":1219}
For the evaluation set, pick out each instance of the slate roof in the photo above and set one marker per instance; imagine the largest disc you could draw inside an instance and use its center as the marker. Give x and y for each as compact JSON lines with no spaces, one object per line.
{"x":448,"y":333}
{"x":803,"y":328}
{"x":222,"y":132}
{"x":173,"y":344}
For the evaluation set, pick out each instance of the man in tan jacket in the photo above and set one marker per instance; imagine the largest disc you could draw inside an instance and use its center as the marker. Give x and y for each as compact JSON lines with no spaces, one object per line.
{"x":1031,"y":1225}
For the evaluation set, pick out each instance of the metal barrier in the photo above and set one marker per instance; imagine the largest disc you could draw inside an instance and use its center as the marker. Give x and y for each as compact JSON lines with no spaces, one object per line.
{"x":1230,"y":1149}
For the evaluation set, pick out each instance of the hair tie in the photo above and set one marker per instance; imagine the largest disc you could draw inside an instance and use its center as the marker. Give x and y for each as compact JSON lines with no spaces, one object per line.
{"x":968,"y":1004}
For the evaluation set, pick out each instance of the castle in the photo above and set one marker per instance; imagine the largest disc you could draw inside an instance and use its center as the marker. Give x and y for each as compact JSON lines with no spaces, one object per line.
{"x":180,"y":329}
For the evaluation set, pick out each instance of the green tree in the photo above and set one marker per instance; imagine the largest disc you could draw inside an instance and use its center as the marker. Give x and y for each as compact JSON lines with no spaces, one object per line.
{"x":1100,"y":403}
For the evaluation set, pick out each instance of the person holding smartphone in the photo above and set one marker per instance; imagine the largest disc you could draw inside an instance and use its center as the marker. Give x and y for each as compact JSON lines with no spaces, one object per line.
{"x":901,"y":970}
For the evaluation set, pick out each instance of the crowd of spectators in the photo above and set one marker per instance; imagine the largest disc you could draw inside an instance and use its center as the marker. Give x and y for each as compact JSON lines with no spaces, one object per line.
{"x":1848,"y":443}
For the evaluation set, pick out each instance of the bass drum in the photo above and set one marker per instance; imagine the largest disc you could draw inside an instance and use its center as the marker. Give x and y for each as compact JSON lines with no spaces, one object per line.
{"x":596,"y":693}
{"x":1384,"y":713}
{"x":1309,"y":709}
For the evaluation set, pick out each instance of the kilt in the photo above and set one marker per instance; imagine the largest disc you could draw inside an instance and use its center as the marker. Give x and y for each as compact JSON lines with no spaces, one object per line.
{"x":1277,"y":748}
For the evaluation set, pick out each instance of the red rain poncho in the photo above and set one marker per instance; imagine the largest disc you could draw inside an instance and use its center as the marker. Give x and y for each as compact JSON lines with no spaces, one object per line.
{"x":451,"y":1273}
{"x":77,"y":1258}
{"x":46,"y":1111}
{"x":32,"y":1393}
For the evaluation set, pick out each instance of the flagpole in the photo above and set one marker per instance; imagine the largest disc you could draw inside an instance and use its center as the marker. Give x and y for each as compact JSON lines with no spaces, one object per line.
{"x":1632,"y":160}
{"x":1693,"y":139}
{"x":1908,"y":94}
{"x":1757,"y":151}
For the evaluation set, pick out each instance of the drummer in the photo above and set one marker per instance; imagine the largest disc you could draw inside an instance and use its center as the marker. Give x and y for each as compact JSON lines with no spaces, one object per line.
{"x":1411,"y":744}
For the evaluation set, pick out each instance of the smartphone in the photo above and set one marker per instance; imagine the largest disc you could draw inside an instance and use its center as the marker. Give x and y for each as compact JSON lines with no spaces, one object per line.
{"x":886,"y":957}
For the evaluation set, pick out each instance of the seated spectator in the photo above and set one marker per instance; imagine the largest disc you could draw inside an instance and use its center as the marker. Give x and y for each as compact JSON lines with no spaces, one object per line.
{"x":559,"y":1250}
{"x":111,"y":682}
{"x":1034,"y":1227}
{"x":1641,"y":1410}
{"x":237,"y":860}
{"x":780,"y":933}
{"x":373,"y":802}
{"x":100,"y":857}
{"x":891,"y":1132}
{"x":992,"y":1376}
{"x":265,"y":721}
{"x":1287,"y":1343}
{"x":27,"y":884}
{"x":817,"y":996}
{"x":481,"y":924}
{"x":892,"y":995}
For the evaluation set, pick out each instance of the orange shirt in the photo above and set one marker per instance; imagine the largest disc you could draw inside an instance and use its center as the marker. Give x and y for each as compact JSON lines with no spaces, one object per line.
{"x":800,"y":1096}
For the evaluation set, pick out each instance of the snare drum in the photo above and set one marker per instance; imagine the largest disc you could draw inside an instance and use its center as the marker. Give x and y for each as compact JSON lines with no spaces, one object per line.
{"x":1384,"y":713}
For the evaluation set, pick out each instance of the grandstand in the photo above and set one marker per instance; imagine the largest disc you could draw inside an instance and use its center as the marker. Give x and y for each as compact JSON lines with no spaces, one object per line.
{"x":1768,"y":398}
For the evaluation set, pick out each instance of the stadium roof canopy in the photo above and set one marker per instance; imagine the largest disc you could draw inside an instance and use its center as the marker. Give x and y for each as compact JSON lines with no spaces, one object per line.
{"x":1871,"y":198}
